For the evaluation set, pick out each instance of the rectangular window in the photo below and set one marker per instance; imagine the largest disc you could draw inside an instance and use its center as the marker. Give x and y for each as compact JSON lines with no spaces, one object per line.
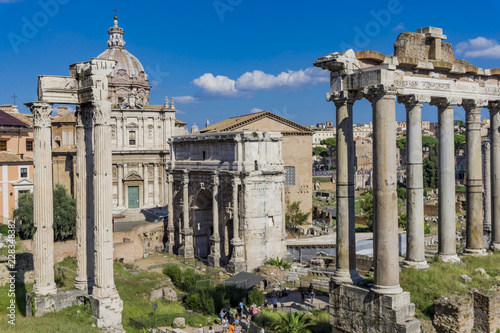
{"x":23,"y":191}
{"x":3,"y":145}
{"x":29,"y":145}
{"x":24,"y":172}
{"x":289,"y":175}
{"x":131,"y":138}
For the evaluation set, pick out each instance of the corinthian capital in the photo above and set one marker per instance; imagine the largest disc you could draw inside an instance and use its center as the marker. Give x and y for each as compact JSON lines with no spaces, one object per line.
{"x":102,"y":112}
{"x":41,"y":113}
{"x":373,"y":94}
{"x":494,"y":105}
{"x":444,"y":102}
{"x":411,"y":100}
{"x":471,"y":104}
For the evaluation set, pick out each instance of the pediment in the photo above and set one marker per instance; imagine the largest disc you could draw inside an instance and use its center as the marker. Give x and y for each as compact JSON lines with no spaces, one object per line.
{"x":23,"y":182}
{"x":132,"y":176}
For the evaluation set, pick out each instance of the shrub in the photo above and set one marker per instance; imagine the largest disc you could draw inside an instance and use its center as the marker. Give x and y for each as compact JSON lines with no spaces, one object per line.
{"x":207,"y":301}
{"x":173,"y":271}
{"x":4,"y":229}
{"x":256,"y":297}
{"x":193,"y":302}
{"x":402,"y":221}
{"x":279,"y":263}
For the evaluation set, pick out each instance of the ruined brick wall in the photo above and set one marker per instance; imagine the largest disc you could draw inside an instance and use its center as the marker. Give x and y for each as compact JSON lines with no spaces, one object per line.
{"x":487,"y":310}
{"x":454,"y":314}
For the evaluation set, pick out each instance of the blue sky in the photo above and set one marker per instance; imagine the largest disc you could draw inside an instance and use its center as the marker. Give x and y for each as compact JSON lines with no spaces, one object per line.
{"x":225,"y":58}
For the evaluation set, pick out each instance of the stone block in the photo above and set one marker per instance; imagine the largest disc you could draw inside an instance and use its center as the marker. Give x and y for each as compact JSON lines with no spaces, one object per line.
{"x":453,"y":314}
{"x":107,"y":311}
{"x":39,"y":305}
{"x":487,"y":310}
{"x":356,"y":309}
{"x":179,"y":322}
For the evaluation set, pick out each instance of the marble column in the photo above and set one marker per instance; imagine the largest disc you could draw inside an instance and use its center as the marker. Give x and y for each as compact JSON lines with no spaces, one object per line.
{"x":43,"y":214}
{"x":486,"y":154}
{"x":385,"y":205}
{"x":415,"y":249}
{"x":84,"y":248}
{"x":237,"y":262}
{"x":346,"y":241}
{"x":474,"y":225}
{"x":187,"y":248}
{"x":494,"y":108}
{"x":104,"y":296}
{"x":214,"y":257}
{"x":120,"y":186}
{"x":146,"y":184}
{"x":170,"y":227}
{"x":156,"y":185}
{"x":447,"y":250}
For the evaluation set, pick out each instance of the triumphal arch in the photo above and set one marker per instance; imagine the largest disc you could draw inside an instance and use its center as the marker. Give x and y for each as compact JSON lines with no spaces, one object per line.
{"x":422,"y":70}
{"x":87,"y":88}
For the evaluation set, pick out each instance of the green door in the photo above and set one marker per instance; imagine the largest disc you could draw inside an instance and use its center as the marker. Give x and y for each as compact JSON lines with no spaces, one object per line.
{"x":133,"y":197}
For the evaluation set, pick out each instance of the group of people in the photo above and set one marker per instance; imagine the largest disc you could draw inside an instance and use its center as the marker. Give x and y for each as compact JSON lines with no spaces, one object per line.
{"x":232,"y":324}
{"x":311,"y":293}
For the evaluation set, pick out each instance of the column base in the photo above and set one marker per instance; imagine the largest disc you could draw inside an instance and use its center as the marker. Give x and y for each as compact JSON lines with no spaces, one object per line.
{"x":387,"y":290}
{"x":475,"y":252}
{"x":415,"y":264}
{"x":84,"y":284}
{"x":342,"y":276}
{"x":214,"y":260}
{"x":49,"y":289}
{"x":495,"y":246}
{"x":236,"y":266}
{"x":186,"y":252}
{"x":108,"y":312}
{"x":449,"y":258}
{"x":357,"y":309}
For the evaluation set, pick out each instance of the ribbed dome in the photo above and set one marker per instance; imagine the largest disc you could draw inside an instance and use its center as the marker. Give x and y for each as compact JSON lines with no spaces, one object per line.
{"x":116,"y":51}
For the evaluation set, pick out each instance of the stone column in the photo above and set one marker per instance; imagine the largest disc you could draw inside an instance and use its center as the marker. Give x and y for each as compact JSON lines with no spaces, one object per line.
{"x":43,"y":215}
{"x":474,"y":238}
{"x":385,"y":205}
{"x":145,"y":170}
{"x":106,"y":303}
{"x":447,"y":251}
{"x":415,"y":250}
{"x":494,"y":108}
{"x":84,"y":233}
{"x":214,"y":257}
{"x":165,"y":128}
{"x":486,"y":153}
{"x":156,"y":185}
{"x":120,"y":186}
{"x":155,"y":132}
{"x":187,"y":248}
{"x":170,"y":228}
{"x":237,"y":262}
{"x":124,"y":130}
{"x":346,"y":240}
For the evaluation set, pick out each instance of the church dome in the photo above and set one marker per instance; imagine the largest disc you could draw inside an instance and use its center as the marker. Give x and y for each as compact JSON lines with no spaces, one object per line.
{"x":116,"y":51}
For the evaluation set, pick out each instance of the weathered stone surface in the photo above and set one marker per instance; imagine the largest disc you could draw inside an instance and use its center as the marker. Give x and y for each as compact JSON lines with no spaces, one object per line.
{"x":466,"y":278}
{"x":166,"y":293}
{"x":454,"y":314}
{"x":487,"y":310}
{"x":356,"y":309}
{"x":179,"y":322}
{"x":53,"y":303}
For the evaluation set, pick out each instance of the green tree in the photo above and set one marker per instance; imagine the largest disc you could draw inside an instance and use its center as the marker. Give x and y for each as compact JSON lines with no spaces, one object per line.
{"x":401,"y":143}
{"x":319,"y":151}
{"x":431,"y":143}
{"x":23,"y":215}
{"x":293,"y":322}
{"x":430,"y":165}
{"x":366,"y":205}
{"x":64,"y":206}
{"x":460,"y":126}
{"x":294,"y":217}
{"x":331,"y":144}
{"x":459,"y":142}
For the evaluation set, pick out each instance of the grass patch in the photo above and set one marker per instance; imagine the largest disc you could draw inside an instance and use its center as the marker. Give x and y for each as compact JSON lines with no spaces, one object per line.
{"x":442,"y":279}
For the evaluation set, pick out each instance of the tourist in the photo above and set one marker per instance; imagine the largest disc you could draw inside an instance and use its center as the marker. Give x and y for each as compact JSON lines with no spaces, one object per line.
{"x":221,"y":314}
{"x":236,"y":320}
{"x":266,"y":304}
{"x":302,"y":295}
{"x":237,"y":328}
{"x":312,"y":296}
{"x":211,"y":329}
{"x":261,"y":330}
{"x":231,"y":328}
{"x":200,"y":330}
{"x":275,"y":303}
{"x":239,"y":310}
{"x":224,"y":324}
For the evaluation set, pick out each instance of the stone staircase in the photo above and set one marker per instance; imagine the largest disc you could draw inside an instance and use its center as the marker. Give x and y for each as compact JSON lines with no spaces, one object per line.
{"x":298,"y":270}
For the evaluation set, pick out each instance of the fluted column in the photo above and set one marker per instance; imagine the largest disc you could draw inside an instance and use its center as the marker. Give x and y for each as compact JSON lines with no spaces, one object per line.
{"x":156,"y":185}
{"x":486,"y":154}
{"x":237,"y":262}
{"x":385,"y":205}
{"x":214,"y":257}
{"x":415,"y":250}
{"x":103,"y":237}
{"x":346,"y":271}
{"x":170,"y":228}
{"x":494,"y":108}
{"x":187,"y":248}
{"x":146,"y":184}
{"x":447,"y":251}
{"x":84,"y":256}
{"x":43,"y":215}
{"x":120,"y":185}
{"x":474,"y":226}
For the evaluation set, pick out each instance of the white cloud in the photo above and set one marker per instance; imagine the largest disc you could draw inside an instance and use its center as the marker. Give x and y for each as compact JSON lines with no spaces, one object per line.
{"x":186,"y":100}
{"x":218,"y":85}
{"x":479,"y":47}
{"x":256,"y":110}
{"x":399,"y":27}
{"x":258,"y":80}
